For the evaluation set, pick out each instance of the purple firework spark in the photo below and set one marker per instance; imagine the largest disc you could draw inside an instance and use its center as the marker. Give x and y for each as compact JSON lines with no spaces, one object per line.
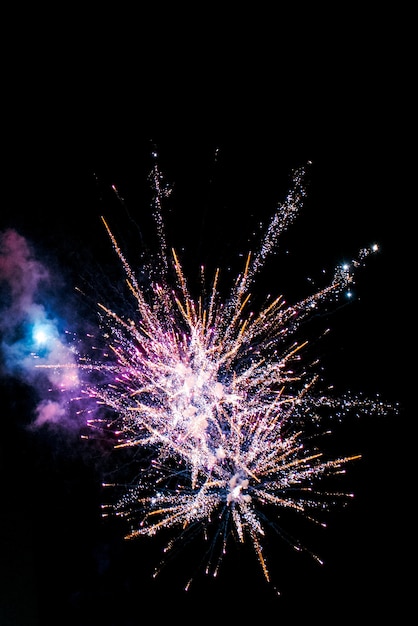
{"x":220,"y":398}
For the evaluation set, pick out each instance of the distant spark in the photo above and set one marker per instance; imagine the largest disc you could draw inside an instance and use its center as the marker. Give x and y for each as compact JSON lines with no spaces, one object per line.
{"x":222,"y":402}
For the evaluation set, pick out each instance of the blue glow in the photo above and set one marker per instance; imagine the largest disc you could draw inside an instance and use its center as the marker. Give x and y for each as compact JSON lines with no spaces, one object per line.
{"x":42,"y":334}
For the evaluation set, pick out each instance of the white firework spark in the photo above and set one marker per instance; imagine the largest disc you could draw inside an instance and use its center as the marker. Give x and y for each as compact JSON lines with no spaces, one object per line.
{"x":221,"y":398}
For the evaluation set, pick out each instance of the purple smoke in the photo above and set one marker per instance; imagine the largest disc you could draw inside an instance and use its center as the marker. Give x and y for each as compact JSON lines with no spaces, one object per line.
{"x":30,"y":334}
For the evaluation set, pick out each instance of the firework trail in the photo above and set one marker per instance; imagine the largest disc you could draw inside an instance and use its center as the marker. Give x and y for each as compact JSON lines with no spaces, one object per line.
{"x":220,"y":401}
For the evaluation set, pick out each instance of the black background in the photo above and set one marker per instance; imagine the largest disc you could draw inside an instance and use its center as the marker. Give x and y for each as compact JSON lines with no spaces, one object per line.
{"x":231,"y":105}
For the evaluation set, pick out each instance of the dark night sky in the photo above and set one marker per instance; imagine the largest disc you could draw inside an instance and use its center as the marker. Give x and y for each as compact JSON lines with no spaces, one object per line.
{"x":67,"y":136}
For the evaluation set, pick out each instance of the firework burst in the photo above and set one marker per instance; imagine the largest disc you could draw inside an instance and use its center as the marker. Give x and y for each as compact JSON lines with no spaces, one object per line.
{"x":221,"y":401}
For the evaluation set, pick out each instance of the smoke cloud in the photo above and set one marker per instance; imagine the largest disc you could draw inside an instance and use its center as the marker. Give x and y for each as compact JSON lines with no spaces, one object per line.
{"x":33,"y":341}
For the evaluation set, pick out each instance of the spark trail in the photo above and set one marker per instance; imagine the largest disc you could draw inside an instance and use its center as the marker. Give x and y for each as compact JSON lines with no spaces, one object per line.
{"x":221,"y":399}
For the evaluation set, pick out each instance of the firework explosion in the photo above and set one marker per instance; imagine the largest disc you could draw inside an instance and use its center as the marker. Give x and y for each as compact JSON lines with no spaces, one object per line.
{"x":220,"y":402}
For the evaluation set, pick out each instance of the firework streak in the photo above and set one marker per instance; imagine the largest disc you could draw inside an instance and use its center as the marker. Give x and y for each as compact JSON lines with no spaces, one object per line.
{"x":217,"y":399}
